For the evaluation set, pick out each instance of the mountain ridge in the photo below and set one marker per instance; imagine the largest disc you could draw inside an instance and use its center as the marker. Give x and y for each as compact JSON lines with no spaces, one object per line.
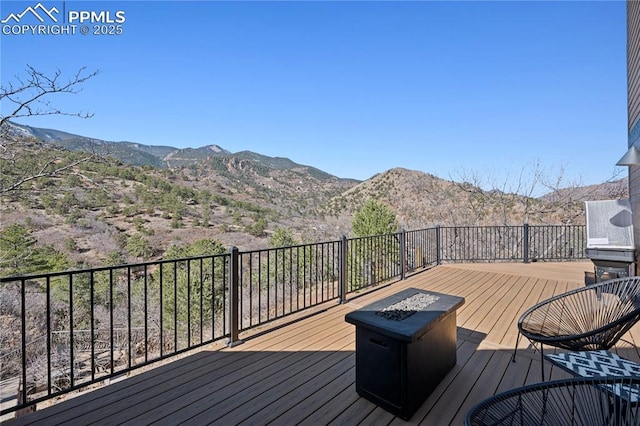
{"x":161,"y":156}
{"x":106,"y":206}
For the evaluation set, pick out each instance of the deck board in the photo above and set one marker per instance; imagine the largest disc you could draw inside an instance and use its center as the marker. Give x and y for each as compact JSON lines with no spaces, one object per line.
{"x":302,"y":370}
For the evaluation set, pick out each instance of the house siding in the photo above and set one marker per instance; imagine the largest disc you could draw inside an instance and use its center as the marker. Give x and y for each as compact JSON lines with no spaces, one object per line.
{"x":633,"y":68}
{"x":633,"y":100}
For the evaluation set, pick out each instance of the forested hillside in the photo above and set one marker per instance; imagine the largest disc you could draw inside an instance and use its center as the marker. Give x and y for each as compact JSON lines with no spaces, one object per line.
{"x":63,"y":209}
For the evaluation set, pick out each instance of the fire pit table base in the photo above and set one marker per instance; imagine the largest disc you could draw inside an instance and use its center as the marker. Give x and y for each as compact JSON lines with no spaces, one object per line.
{"x":400,"y":362}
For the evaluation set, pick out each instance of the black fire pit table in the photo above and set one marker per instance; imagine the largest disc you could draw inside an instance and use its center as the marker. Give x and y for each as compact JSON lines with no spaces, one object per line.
{"x":405,"y":346}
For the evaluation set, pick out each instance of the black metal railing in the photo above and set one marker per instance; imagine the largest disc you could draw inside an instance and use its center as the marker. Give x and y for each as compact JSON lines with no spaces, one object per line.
{"x":277,"y":282}
{"x":66,"y":330}
{"x":511,"y":243}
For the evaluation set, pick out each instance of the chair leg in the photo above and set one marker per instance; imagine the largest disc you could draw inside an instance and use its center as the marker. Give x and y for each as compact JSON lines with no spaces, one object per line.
{"x":513,"y":357}
{"x":542,"y":361}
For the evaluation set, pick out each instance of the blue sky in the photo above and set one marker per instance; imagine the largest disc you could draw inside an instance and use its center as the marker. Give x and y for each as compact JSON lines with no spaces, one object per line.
{"x":353,"y":88}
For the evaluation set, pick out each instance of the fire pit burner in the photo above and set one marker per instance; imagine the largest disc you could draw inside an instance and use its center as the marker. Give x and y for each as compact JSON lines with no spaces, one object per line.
{"x":407,"y":307}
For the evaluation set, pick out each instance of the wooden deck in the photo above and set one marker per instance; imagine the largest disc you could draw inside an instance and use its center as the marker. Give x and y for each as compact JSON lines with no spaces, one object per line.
{"x":304,"y":372}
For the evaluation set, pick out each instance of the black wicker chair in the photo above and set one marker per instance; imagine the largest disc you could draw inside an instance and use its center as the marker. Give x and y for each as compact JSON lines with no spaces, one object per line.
{"x":577,"y":401}
{"x":588,"y":318}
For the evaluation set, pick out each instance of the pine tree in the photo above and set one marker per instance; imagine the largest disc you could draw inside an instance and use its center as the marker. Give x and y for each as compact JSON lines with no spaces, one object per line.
{"x":374,"y":218}
{"x":17,"y":246}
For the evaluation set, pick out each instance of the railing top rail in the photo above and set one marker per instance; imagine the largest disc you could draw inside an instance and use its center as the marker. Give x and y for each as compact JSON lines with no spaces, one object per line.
{"x":486,"y":226}
{"x":564,"y":225}
{"x":395,"y":234}
{"x":68,"y":272}
{"x":271,"y":249}
{"x":107,"y":268}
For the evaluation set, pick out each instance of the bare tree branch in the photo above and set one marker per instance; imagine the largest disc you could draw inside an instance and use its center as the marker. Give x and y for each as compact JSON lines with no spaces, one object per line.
{"x":46,"y":173}
{"x":517,"y":196}
{"x":29,"y":96}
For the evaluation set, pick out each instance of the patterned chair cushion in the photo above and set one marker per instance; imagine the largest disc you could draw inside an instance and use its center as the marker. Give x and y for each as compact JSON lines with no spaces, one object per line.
{"x":600,"y":364}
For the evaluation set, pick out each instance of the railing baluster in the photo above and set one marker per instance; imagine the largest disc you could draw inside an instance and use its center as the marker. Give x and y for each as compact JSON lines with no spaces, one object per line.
{"x":525,"y":239}
{"x":23,"y":339}
{"x":111,"y":337}
{"x":315,"y":276}
{"x":321,"y":274}
{"x":225,"y":294}
{"x":403,"y":253}
{"x":259,"y":286}
{"x":290,"y":250}
{"x":160,"y":292}
{"x":240,"y":292}
{"x":129,"y":347}
{"x":213,"y":298}
{"x":283,"y":260}
{"x":342,"y":272}
{"x":269,"y":285}
{"x":49,"y":372}
{"x":298,"y":277}
{"x":201,"y":301}
{"x":175,"y":306}
{"x":233,"y":297}
{"x":71,"y":331}
{"x":188,"y":303}
{"x":250,"y":272}
{"x":146,"y":316}
{"x":92,"y":322}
